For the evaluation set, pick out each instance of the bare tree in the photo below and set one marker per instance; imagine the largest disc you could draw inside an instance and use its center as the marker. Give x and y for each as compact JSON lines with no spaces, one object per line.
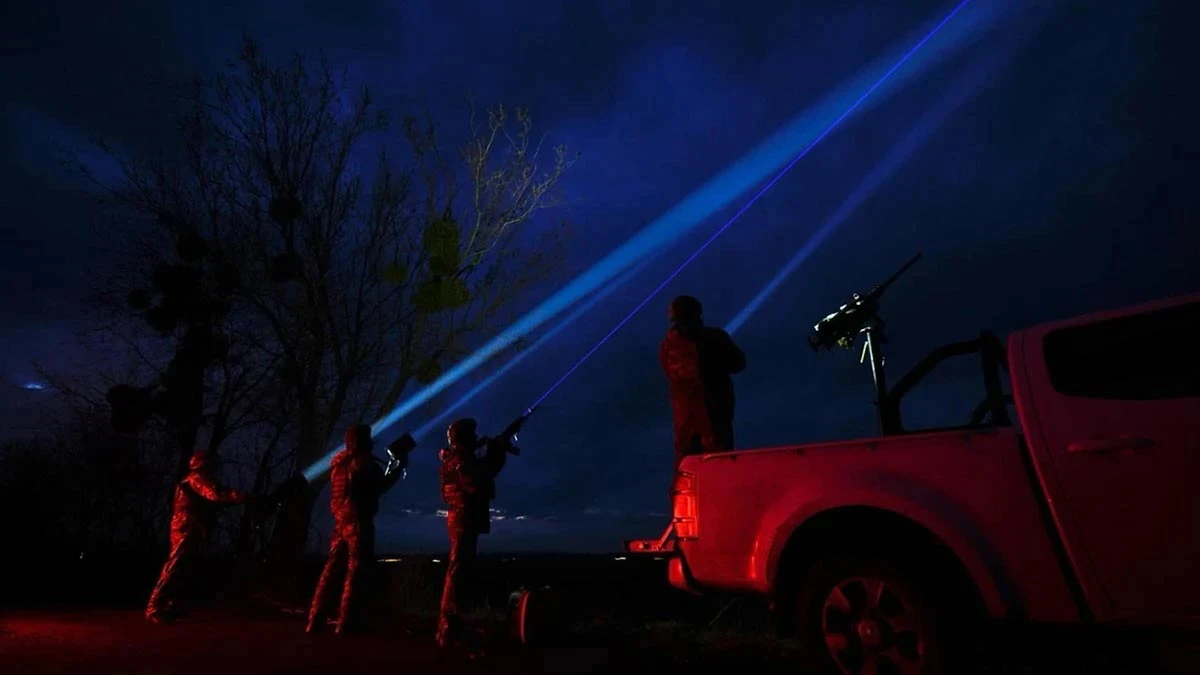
{"x":475,"y":253}
{"x":171,"y":297}
{"x":331,"y":283}
{"x":363,"y":279}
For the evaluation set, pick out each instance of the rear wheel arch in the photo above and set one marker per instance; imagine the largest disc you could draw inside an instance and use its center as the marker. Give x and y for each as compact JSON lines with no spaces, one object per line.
{"x":872,"y":531}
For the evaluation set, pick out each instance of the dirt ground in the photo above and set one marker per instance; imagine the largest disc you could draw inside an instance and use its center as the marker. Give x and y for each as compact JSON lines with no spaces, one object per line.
{"x":227,"y":642}
{"x":220,"y":643}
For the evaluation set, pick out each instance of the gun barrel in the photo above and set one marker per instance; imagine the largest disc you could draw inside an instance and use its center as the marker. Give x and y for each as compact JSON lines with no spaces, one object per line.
{"x":516,"y":425}
{"x":878,"y":290}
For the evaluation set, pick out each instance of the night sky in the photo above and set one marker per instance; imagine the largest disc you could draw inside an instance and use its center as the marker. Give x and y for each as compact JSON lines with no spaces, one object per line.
{"x":1061,"y":181}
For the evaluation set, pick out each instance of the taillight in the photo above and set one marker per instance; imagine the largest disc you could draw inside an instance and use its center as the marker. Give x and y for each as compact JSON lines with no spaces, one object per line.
{"x":683,"y":506}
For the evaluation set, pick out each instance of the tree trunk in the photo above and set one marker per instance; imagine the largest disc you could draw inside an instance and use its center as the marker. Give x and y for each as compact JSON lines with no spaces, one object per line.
{"x":286,"y":550}
{"x":187,"y":407}
{"x":254,"y":517}
{"x":285,"y":559}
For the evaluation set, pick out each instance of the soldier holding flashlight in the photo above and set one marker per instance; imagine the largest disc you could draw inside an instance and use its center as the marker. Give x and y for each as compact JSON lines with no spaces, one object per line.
{"x":356,"y":484}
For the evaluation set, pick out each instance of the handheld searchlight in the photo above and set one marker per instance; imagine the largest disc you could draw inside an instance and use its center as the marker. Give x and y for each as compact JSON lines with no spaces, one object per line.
{"x":397,"y":452}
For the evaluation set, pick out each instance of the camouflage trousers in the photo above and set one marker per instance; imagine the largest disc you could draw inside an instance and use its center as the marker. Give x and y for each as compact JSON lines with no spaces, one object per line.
{"x":698,"y":433}
{"x":184,"y":546}
{"x":351,"y":549}
{"x":460,"y":570}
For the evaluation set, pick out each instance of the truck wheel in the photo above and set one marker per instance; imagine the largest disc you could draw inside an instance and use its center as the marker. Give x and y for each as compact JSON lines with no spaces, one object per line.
{"x":862,"y":615}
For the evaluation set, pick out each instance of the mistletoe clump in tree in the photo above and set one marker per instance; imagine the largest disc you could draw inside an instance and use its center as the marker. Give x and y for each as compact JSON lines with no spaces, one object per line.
{"x":189,"y":299}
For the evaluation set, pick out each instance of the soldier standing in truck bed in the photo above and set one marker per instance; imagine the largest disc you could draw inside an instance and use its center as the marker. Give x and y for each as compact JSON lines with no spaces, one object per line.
{"x":698,"y":361}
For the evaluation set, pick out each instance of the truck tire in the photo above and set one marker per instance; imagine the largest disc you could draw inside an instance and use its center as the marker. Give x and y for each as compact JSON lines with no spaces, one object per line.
{"x":865,"y":614}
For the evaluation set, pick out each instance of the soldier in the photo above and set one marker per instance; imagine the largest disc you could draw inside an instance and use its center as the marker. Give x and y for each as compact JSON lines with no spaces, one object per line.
{"x":468,"y":487}
{"x":356,"y":484}
{"x":698,"y":361}
{"x":196,"y":498}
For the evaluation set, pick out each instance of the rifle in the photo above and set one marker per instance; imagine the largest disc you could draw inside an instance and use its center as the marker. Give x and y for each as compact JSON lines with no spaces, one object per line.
{"x":512,"y":431}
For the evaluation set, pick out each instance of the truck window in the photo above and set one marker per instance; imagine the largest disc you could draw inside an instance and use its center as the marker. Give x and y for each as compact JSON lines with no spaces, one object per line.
{"x":1142,"y":357}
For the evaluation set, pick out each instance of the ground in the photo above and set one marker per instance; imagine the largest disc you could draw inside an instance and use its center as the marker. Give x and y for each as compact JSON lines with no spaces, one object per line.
{"x":619,"y":616}
{"x":225,"y":642}
{"x":228,"y":642}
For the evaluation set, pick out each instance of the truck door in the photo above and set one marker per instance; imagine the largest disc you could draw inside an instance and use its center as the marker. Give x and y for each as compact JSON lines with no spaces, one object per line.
{"x":1116,"y":403}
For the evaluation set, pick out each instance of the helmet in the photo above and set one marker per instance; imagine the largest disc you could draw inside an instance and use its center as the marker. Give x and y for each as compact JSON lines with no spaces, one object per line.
{"x":462,"y":433}
{"x":685,"y":309}
{"x":358,"y":438}
{"x":200,"y":459}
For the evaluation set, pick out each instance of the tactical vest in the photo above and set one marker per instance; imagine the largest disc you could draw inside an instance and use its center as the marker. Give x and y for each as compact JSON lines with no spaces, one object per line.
{"x":451,"y":475}
{"x":683,"y":362}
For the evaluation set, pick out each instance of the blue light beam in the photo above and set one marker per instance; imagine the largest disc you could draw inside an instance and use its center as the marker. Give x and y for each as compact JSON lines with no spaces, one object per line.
{"x":717,"y":193}
{"x":963,"y":90}
{"x":315,"y":471}
{"x":546,"y":337}
{"x":746,"y":207}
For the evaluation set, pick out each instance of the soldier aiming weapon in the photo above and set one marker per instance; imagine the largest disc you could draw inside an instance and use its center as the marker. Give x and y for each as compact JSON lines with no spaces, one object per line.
{"x":468,"y":487}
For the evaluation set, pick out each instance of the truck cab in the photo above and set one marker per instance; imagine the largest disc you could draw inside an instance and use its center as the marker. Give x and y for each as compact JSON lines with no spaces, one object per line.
{"x":1080,"y":507}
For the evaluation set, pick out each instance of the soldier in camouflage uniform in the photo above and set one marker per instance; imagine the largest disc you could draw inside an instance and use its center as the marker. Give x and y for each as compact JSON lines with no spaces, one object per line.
{"x":468,"y":487}
{"x":698,"y":361}
{"x":356,"y":484}
{"x":196,"y":499}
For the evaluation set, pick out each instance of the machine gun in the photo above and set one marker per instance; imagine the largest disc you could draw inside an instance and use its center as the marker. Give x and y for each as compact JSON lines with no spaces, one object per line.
{"x":512,"y":431}
{"x":860,"y":316}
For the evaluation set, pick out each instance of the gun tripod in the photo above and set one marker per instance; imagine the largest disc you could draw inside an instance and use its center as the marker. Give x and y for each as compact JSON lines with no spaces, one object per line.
{"x":873,"y":350}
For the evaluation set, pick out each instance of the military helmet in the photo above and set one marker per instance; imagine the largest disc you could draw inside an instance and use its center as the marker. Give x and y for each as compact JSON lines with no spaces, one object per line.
{"x":685,"y":309}
{"x":358,"y":437}
{"x":462,"y":432}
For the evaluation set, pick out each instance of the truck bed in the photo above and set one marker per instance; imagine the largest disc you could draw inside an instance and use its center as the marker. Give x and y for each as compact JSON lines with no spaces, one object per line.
{"x":972,"y":489}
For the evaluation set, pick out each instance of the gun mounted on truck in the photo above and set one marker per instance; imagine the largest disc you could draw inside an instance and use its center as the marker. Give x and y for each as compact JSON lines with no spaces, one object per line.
{"x":860,"y":316}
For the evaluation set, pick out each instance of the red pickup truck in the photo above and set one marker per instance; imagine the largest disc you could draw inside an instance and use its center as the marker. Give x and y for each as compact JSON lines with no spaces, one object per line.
{"x":1082,"y":509}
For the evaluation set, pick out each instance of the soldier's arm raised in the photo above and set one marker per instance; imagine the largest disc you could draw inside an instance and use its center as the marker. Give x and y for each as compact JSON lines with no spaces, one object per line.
{"x":497,"y":454}
{"x":207,"y":488}
{"x":734,"y":355}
